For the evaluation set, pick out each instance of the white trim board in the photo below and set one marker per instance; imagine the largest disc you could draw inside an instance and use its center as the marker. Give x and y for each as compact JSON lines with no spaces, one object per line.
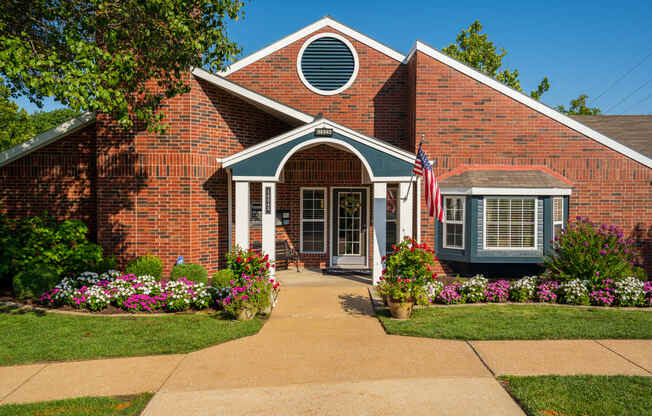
{"x":476,"y":190}
{"x":321,"y":23}
{"x":46,"y":138}
{"x":250,"y":95}
{"x":530,"y":102}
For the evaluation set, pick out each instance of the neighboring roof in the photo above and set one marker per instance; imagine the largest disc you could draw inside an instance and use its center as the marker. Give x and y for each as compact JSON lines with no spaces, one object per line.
{"x":633,"y":131}
{"x":342,"y":137}
{"x":530,"y":102}
{"x":285,"y":112}
{"x":46,"y":138}
{"x":505,"y":182}
{"x":321,"y":23}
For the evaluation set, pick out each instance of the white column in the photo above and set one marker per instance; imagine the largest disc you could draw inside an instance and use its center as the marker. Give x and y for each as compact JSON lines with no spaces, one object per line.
{"x":380,"y":228}
{"x":405,"y":210}
{"x":269,"y":221}
{"x":229,"y":209}
{"x":242,"y":214}
{"x":418,"y":202}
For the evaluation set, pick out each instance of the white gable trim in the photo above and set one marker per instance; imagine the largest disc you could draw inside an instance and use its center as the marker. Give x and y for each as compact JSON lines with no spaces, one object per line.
{"x":476,"y":190}
{"x":302,"y":130}
{"x":326,"y":21}
{"x":530,"y":102}
{"x":247,"y":94}
{"x":46,"y":138}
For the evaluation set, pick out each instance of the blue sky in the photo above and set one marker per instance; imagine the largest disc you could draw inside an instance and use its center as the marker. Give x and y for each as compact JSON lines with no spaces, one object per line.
{"x":581,"y":46}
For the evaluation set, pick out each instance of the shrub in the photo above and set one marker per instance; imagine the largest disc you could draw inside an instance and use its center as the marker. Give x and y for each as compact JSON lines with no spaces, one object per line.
{"x":574,"y":292}
{"x":191,"y":271}
{"x":147,"y":265}
{"x":29,"y":284}
{"x":35,"y":242}
{"x":222,"y":278}
{"x":473,"y":290}
{"x":449,"y":295}
{"x":497,"y":291}
{"x":523,"y":290}
{"x":590,"y":252}
{"x":630,"y":292}
{"x":647,"y":288}
{"x":106,"y":264}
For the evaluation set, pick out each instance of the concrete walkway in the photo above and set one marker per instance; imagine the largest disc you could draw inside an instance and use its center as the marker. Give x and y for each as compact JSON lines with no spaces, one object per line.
{"x":323,"y":353}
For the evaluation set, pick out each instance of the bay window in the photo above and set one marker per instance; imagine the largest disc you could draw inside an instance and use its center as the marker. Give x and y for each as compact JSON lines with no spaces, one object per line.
{"x":510,"y":223}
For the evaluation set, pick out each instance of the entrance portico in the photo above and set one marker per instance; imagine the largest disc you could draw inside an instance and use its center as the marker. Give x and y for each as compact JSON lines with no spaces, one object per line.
{"x":352,"y":220}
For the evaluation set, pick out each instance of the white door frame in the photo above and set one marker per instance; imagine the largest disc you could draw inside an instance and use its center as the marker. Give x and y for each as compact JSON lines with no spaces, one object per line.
{"x":331,"y":245}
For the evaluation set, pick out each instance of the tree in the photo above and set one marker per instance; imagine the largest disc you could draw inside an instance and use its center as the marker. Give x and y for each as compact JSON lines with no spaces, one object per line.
{"x":43,"y":121}
{"x":14,"y":122}
{"x":120,"y":57}
{"x":578,"y":107}
{"x":473,"y":48}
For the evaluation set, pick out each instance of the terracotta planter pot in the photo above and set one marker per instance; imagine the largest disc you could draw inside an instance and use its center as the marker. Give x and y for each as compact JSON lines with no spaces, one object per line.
{"x":401,"y":310}
{"x":245,"y":314}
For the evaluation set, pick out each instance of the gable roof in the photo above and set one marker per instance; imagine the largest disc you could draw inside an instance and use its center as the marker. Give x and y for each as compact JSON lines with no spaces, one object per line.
{"x":326,"y":21}
{"x":529,"y":102}
{"x":634,"y":131}
{"x":44,"y":139}
{"x":342,"y":137}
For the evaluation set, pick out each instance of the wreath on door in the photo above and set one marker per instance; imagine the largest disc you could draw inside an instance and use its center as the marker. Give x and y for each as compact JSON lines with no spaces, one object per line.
{"x":350,"y":204}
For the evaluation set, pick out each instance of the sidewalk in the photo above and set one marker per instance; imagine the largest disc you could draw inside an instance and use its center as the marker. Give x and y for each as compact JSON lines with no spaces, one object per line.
{"x":323,"y":353}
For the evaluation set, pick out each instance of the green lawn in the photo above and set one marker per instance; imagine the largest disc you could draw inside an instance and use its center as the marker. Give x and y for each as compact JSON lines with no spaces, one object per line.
{"x":123,"y":405}
{"x":28,"y":336}
{"x":497,"y":322}
{"x":582,"y":395}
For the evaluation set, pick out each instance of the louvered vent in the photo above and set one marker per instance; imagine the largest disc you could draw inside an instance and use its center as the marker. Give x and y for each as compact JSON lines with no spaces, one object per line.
{"x":327,"y":64}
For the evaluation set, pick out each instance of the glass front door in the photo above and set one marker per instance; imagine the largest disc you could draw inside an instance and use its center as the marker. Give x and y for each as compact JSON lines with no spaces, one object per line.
{"x":349,"y":227}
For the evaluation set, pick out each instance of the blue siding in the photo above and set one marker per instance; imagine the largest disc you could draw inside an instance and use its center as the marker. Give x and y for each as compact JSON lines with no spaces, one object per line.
{"x":327,"y":64}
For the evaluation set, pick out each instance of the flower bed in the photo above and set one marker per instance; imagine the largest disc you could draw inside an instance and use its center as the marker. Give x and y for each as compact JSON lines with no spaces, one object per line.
{"x":130,"y":293}
{"x":629,"y":291}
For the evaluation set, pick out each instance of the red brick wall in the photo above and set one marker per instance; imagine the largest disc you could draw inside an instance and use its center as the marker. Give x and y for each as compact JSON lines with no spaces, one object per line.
{"x":59,"y":178}
{"x":467,"y":123}
{"x":375,"y":104}
{"x":165,"y":194}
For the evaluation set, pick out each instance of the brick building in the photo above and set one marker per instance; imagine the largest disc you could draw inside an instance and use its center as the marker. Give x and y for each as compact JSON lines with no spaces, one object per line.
{"x":312,"y":140}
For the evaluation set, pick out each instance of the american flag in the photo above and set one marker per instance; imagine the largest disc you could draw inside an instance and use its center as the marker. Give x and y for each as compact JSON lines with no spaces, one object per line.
{"x":433,"y":199}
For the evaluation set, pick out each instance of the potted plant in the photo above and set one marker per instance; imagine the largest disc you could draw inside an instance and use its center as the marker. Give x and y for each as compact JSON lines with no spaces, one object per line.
{"x":406,"y":272}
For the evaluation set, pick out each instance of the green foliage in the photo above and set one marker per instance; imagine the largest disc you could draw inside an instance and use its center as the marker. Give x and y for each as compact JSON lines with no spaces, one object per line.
{"x":578,"y":107}
{"x":147,"y":265}
{"x":15,"y":127}
{"x":42,"y":242}
{"x":407,"y":270}
{"x":222,"y":278}
{"x":106,"y":264}
{"x":43,"y":121}
{"x":191,"y":271}
{"x":121,"y":58}
{"x":30,"y":283}
{"x":474,"y":49}
{"x":592,"y":252}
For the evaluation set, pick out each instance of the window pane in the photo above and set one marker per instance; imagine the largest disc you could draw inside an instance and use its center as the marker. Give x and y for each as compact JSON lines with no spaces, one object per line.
{"x":510,"y":222}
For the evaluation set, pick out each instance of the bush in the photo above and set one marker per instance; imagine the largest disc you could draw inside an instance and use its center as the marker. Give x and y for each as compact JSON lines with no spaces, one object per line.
{"x":106,"y":264}
{"x":247,"y":262}
{"x":222,"y":278}
{"x":147,"y":265}
{"x":574,"y":292}
{"x":191,"y":271}
{"x":523,"y":289}
{"x":29,"y":284}
{"x":590,"y":252}
{"x":630,"y":292}
{"x":473,"y":290}
{"x":42,"y":242}
{"x":497,"y":292}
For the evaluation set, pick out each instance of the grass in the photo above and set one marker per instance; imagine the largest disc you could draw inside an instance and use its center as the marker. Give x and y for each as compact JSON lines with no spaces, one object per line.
{"x":501,"y":322}
{"x":28,"y":336}
{"x":581,"y":395}
{"x":122,"y":405}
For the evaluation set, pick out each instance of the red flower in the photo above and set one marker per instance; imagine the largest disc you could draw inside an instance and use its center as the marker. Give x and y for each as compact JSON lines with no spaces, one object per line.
{"x":267,"y":265}
{"x":411,"y":248}
{"x":239,"y":259}
{"x":434,"y":275}
{"x":384,"y":257}
{"x":266,"y":257}
{"x":384,"y":271}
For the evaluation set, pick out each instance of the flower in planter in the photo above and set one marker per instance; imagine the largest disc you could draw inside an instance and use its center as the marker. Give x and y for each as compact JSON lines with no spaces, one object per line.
{"x":497,"y":291}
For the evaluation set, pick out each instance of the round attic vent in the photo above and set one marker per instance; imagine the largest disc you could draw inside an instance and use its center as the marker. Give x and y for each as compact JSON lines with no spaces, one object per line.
{"x":327,"y":64}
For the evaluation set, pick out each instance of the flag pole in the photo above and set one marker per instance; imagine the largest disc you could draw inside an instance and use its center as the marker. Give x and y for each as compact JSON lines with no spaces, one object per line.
{"x":413,"y":175}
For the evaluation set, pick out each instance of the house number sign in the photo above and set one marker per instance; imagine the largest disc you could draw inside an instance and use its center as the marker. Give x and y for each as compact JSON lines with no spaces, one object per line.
{"x":268,"y":200}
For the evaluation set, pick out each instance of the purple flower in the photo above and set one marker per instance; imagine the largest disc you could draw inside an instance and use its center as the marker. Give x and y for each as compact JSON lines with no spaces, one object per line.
{"x":586,"y":244}
{"x":603,"y":253}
